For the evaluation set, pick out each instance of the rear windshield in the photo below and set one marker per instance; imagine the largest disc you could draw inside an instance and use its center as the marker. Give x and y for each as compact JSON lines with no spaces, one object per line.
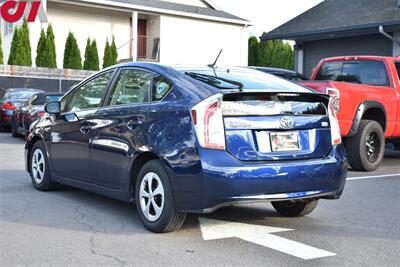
{"x":19,"y":94}
{"x":369,"y":72}
{"x":246,"y":80}
{"x":256,"y":104}
{"x":43,"y":99}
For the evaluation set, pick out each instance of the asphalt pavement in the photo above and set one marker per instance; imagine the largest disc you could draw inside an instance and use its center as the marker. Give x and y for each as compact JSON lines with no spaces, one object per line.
{"x":70,"y":227}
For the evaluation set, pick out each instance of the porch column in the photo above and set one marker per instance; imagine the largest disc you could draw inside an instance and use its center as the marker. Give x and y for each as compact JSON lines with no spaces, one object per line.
{"x":396,"y":47}
{"x":134,"y":35}
{"x":299,"y":58}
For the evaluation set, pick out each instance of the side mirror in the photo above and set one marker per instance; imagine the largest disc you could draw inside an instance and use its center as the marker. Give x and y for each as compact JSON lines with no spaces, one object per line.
{"x":53,"y":107}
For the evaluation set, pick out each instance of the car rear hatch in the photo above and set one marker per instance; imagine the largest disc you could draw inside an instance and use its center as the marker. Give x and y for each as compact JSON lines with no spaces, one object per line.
{"x":268,"y":126}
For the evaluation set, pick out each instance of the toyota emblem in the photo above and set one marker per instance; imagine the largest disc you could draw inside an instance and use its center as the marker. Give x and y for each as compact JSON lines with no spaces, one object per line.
{"x":287,"y":123}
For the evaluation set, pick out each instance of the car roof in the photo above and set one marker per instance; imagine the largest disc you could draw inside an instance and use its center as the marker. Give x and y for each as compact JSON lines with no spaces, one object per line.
{"x":51,"y":93}
{"x":273,"y":70}
{"x":24,"y":89}
{"x":182,"y":68}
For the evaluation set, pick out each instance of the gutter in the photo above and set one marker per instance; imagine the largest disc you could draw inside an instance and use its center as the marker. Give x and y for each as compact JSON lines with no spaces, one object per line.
{"x":385,"y":34}
{"x":121,"y":6}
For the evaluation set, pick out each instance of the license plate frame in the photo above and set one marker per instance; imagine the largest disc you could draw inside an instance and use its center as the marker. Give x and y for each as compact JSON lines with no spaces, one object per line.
{"x":285,"y":141}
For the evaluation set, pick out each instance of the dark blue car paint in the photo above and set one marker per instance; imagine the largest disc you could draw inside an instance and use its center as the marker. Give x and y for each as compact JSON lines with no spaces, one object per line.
{"x":201,"y":179}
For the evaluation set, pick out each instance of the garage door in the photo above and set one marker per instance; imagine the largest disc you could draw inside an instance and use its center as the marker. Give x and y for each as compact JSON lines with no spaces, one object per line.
{"x":314,"y":51}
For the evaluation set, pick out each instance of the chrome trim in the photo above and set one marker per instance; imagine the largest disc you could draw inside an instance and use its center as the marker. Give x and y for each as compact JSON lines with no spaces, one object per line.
{"x":111,"y":143}
{"x":264,"y":198}
{"x":279,"y":196}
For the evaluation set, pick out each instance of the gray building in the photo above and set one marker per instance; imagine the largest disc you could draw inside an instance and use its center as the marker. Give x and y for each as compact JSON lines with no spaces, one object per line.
{"x":341,"y":28}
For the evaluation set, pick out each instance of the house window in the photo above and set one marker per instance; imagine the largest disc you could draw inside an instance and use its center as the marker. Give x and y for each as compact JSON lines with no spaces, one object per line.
{"x":8,"y":28}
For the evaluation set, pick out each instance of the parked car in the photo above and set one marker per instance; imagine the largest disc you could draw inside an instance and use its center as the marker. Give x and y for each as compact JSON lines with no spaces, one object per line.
{"x":366,"y":92}
{"x":13,"y":98}
{"x":283,"y":73}
{"x":32,"y":110}
{"x":190,"y":140}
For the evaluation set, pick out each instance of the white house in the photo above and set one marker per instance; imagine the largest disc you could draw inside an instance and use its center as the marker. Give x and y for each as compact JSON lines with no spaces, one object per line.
{"x":168,"y":31}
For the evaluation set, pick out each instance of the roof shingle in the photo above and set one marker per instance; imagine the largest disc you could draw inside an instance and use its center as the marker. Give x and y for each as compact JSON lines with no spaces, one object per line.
{"x":333,"y":15}
{"x":171,"y":6}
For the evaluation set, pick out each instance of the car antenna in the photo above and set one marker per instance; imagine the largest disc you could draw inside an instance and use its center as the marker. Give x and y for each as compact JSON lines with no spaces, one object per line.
{"x":216,"y":60}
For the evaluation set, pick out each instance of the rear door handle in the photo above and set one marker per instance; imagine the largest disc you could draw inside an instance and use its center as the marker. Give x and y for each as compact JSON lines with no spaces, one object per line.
{"x":133,"y":123}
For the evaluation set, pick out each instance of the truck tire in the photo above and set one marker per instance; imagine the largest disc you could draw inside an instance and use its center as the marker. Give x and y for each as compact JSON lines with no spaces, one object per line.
{"x":295,"y":208}
{"x":14,"y":132}
{"x":367,"y":148}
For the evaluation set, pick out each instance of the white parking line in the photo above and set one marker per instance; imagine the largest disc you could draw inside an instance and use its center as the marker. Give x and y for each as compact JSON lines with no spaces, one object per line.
{"x":373,"y":177}
{"x":260,"y":235}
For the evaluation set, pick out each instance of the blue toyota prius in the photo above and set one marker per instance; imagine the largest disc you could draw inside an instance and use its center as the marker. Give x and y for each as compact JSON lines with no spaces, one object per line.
{"x":190,"y":140}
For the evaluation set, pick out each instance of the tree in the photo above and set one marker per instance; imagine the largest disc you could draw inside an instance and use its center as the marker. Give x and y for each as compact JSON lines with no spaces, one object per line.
{"x":72,"y":54}
{"x":12,"y":58}
{"x":25,"y":45}
{"x":253,"y":44}
{"x":108,"y":56}
{"x":114,"y":51}
{"x":86,"y":63}
{"x":275,"y":53}
{"x":50,"y":49}
{"x":92,"y":61}
{"x":1,"y":52}
{"x":95,"y":56}
{"x":40,"y":50}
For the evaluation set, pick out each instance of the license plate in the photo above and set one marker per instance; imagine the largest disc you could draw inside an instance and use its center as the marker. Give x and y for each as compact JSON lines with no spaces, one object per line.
{"x":285,"y":141}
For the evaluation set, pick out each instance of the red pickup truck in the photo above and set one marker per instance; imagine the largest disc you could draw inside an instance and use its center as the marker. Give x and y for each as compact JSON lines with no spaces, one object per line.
{"x":366,"y":94}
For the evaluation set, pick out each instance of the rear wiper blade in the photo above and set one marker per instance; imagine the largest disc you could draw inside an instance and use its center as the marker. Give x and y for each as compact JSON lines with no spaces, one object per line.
{"x":215,"y":81}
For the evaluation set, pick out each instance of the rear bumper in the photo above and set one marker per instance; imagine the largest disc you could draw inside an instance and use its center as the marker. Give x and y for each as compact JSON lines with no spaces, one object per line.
{"x":227,"y":181}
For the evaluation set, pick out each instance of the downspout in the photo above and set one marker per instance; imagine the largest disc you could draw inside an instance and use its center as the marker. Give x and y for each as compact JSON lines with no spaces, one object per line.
{"x":382,"y":31}
{"x":241,"y":45}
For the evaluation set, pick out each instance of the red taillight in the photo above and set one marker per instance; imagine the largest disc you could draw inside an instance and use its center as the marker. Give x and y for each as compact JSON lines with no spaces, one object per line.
{"x":335,"y":129}
{"x":9,"y":105}
{"x":194,"y":117}
{"x":208,"y":123}
{"x":41,"y":113}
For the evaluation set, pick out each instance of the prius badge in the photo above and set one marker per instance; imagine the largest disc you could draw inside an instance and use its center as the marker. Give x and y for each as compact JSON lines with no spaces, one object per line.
{"x":287,"y":123}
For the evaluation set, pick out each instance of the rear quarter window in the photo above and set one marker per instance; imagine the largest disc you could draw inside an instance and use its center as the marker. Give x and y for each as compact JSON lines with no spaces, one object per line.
{"x":330,"y":71}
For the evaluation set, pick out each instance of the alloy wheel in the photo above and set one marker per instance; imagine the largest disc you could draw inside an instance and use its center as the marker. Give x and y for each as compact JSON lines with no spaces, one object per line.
{"x":151,"y":196}
{"x":38,"y":166}
{"x":372,"y":146}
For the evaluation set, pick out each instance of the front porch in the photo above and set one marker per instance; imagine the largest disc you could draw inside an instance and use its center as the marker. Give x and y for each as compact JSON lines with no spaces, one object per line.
{"x":144,"y":44}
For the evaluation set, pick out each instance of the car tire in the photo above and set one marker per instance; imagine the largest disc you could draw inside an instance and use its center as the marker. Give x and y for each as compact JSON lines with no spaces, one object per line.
{"x":296,"y":208}
{"x":14,"y":132}
{"x":367,"y":148}
{"x":40,"y":168}
{"x":397,"y":146}
{"x":155,"y":201}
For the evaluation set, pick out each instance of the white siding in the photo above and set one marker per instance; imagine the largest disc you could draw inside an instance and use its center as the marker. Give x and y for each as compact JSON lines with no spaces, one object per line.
{"x":188,"y":2}
{"x":89,"y":22}
{"x":197,"y":42}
